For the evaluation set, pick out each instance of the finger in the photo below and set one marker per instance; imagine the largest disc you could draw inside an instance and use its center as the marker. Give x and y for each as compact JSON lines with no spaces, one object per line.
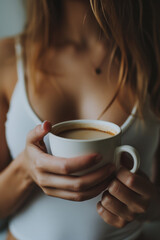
{"x":109,"y":217}
{"x":76,"y":196}
{"x":39,"y":132}
{"x":135,"y":182}
{"x":116,"y":207}
{"x":133,"y":200}
{"x":77,"y":184}
{"x":41,"y":145}
{"x":67,"y":166}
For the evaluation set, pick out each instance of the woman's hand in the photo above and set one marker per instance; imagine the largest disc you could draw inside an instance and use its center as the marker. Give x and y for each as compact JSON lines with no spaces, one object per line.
{"x":128,"y":197}
{"x":53,"y":174}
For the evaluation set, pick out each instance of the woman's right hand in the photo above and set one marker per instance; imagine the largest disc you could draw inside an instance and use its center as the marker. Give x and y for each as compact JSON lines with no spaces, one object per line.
{"x":53,"y":174}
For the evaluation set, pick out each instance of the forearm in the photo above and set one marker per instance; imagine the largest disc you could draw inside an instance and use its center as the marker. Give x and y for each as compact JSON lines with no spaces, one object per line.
{"x":15,"y":187}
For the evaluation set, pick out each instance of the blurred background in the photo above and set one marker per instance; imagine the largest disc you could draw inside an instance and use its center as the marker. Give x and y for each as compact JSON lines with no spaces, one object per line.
{"x":12,"y":17}
{"x":12,"y":22}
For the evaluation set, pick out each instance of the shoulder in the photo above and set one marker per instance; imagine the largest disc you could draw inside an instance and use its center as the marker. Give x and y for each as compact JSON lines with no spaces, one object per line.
{"x":8,"y":71}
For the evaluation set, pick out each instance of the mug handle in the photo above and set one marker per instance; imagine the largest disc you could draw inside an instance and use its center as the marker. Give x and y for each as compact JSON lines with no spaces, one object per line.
{"x":132,"y":151}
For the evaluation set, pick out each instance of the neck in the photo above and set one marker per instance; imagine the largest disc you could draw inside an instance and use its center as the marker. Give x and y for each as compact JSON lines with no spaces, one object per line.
{"x":79,"y":24}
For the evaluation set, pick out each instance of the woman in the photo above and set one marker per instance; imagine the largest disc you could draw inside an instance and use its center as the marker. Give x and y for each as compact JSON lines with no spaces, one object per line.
{"x":80,"y":59}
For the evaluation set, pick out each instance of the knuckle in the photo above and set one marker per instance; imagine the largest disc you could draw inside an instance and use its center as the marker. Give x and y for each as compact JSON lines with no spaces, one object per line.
{"x":140,"y":207}
{"x":114,"y":222}
{"x":143,"y":208}
{"x":78,"y":185}
{"x":38,"y":164}
{"x":130,"y":217}
{"x":64,"y":168}
{"x":40,"y":180}
{"x":78,"y":197}
{"x":46,"y":192}
{"x":49,"y":194}
{"x":114,"y":187}
{"x":131,"y":181}
{"x":120,"y":224}
{"x":106,"y":200}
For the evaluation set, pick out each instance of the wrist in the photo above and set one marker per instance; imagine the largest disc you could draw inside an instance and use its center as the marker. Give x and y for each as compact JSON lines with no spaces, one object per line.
{"x":16,"y":186}
{"x":22,"y":170}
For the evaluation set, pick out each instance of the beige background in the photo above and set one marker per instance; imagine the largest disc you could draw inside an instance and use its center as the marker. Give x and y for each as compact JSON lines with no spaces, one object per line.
{"x":12,"y":17}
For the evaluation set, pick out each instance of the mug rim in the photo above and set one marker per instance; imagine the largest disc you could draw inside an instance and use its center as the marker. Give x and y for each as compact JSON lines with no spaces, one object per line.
{"x":87,"y":121}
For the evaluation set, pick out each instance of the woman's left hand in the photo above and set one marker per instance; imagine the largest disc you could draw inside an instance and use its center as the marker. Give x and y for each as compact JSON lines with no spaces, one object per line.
{"x":128,"y":196}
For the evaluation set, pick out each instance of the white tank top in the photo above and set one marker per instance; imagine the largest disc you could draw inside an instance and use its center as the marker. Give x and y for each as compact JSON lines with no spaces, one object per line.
{"x":49,"y":218}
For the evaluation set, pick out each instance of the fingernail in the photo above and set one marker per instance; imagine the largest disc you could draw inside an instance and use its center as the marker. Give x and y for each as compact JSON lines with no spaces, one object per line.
{"x":42,"y":125}
{"x":48,"y":126}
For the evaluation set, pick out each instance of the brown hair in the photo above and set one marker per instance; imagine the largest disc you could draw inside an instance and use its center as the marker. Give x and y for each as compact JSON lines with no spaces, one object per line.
{"x":133,"y":28}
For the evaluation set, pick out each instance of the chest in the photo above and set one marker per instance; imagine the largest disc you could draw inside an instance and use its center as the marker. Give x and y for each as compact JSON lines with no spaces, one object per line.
{"x":73,"y":90}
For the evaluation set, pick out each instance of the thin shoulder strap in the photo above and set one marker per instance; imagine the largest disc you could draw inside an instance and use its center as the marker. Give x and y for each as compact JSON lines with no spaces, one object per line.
{"x":19,"y":57}
{"x":22,"y":82}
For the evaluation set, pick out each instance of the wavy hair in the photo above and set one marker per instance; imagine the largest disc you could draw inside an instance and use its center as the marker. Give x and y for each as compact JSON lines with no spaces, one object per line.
{"x":131,"y":26}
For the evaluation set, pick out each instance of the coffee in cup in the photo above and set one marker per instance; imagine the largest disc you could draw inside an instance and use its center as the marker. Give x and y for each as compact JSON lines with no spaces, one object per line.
{"x":79,"y":137}
{"x":85,"y":133}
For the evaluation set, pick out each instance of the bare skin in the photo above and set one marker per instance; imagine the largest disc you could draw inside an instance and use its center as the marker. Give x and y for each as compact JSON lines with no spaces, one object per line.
{"x":125,"y":197}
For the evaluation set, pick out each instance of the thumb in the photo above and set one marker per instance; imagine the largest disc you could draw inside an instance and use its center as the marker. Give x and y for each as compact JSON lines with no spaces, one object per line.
{"x":39,"y":132}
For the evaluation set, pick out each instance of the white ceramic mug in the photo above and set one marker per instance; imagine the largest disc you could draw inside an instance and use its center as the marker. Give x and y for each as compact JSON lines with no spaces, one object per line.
{"x":110,"y":148}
